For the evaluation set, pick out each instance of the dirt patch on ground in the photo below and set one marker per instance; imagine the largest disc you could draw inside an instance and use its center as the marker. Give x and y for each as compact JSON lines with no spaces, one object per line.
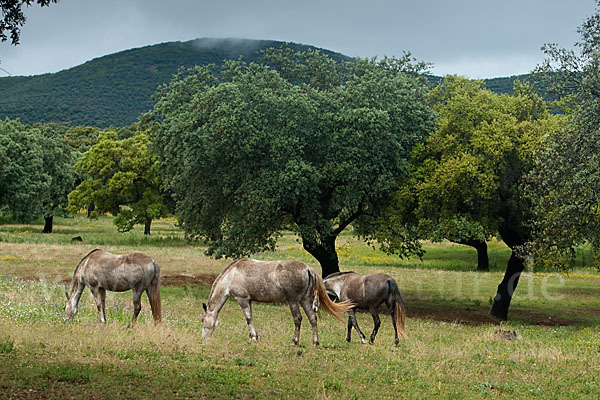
{"x":476,"y":316}
{"x":188,"y":280}
{"x":433,"y":311}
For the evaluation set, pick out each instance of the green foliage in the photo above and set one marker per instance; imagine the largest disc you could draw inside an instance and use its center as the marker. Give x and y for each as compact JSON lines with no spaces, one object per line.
{"x":13,"y":17}
{"x":36,"y":170}
{"x":81,"y":138}
{"x":312,"y":150}
{"x":466,"y":178}
{"x":564,"y":183}
{"x":121,"y":178}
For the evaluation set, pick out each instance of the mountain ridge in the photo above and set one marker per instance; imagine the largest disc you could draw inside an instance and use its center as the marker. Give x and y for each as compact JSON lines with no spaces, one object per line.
{"x":116,"y":88}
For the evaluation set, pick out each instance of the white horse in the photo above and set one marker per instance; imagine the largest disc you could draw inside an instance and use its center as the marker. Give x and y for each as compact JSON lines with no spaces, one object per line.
{"x":248,"y":280}
{"x":102,"y":271}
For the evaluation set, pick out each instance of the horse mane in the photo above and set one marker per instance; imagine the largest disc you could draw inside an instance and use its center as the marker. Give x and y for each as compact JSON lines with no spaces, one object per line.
{"x":81,"y":261}
{"x":339,"y":273}
{"x":221,"y":275}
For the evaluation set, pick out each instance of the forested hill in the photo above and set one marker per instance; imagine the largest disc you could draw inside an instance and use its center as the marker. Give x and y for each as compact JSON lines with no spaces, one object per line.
{"x":117,"y":88}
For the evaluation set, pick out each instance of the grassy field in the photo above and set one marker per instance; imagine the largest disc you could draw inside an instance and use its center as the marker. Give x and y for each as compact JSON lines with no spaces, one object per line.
{"x":549,"y":348}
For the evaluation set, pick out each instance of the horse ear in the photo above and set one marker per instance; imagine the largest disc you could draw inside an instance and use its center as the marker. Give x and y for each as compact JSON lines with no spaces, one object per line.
{"x":204,"y":306}
{"x":66,"y":293}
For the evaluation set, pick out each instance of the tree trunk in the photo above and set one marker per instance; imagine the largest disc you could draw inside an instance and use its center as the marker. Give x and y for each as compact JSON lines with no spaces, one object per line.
{"x":91,"y":208}
{"x":515,"y":267}
{"x":48,"y":224}
{"x":325,"y":254}
{"x":147,"y":226}
{"x":483,"y":262}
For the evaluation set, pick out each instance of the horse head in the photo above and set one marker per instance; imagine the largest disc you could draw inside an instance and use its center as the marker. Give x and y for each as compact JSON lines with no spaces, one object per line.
{"x":209,"y":322}
{"x":70,"y":309}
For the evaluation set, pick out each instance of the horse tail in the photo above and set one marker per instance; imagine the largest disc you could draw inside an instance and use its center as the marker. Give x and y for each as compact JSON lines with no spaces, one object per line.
{"x":155,"y":295}
{"x":399,"y":308}
{"x":320,"y":297}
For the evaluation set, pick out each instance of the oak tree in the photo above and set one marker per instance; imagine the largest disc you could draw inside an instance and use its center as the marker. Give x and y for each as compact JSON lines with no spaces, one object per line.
{"x":121,"y":179}
{"x":466,"y":179}
{"x":300,"y":142}
{"x":36,"y":171}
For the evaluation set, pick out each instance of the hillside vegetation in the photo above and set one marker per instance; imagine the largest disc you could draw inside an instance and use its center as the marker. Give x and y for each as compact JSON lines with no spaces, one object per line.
{"x":117,"y":88}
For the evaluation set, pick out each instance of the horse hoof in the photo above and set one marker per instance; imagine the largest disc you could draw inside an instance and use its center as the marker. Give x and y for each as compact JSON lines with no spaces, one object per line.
{"x":365,"y":342}
{"x":315,"y":344}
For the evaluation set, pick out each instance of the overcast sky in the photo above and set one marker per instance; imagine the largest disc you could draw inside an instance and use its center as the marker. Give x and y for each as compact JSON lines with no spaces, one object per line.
{"x":473,"y":38}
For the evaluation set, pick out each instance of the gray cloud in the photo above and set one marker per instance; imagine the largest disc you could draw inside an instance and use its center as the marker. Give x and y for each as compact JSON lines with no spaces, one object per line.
{"x":475,"y":38}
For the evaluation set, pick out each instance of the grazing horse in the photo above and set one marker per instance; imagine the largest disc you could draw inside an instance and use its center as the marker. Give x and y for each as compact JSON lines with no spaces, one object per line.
{"x":248,"y":280}
{"x":367,"y":292}
{"x":102,"y":271}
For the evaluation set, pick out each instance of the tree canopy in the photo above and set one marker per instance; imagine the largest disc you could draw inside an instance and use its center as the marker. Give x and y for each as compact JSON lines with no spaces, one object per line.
{"x":121,"y":179}
{"x":300,"y":143}
{"x":565,"y":182}
{"x":466,"y":179}
{"x":36,"y":170}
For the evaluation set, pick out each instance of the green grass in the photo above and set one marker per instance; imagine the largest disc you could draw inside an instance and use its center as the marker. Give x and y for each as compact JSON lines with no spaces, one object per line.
{"x":455,"y":350}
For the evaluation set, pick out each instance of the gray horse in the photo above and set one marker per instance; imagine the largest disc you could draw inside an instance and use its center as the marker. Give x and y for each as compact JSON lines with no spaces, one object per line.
{"x":102,"y":271}
{"x":248,"y":280}
{"x":368,"y":292}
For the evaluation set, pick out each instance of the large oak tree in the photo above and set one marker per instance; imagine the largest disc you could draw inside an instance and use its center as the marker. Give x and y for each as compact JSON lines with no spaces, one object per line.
{"x":466,"y":182}
{"x":300,"y":142}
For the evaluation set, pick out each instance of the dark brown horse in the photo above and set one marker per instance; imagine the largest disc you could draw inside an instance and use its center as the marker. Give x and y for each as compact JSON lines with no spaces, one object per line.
{"x":368,"y":292}
{"x":248,"y":280}
{"x":102,"y":271}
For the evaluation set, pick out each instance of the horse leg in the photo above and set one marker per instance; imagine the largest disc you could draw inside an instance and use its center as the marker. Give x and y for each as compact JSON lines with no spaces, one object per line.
{"x":99,"y":295}
{"x":295,"y":309}
{"x":247,"y":310}
{"x":349,"y":335}
{"x":137,"y":306}
{"x":376,"y":323}
{"x":312,"y":318}
{"x":352,"y":322}
{"x":102,"y":302}
{"x":390,"y":306}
